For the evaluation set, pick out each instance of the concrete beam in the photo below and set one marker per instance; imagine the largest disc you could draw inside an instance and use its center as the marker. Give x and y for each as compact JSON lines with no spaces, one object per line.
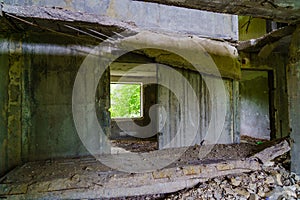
{"x":197,"y":48}
{"x":278,"y":10}
{"x":293,"y":82}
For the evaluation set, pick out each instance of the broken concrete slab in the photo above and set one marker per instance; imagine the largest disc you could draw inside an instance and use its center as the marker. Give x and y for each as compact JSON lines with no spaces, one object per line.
{"x":58,"y":20}
{"x":88,"y":178}
{"x":53,"y":13}
{"x":271,"y":153}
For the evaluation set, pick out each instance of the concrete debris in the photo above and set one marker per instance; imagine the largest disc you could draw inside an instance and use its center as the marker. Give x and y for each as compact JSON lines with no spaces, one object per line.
{"x":271,"y":183}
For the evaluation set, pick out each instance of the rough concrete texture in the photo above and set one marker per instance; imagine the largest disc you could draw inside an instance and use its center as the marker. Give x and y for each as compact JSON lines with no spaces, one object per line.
{"x":11,"y":134}
{"x":3,"y":109}
{"x":107,"y":24}
{"x":275,"y":63}
{"x":43,"y":128}
{"x":87,"y":178}
{"x":254,"y":97}
{"x":250,"y":28}
{"x":270,"y":41}
{"x":53,"y":133}
{"x":151,"y":16}
{"x":278,"y":10}
{"x":222,"y":56}
{"x":272,"y":183}
{"x":293,"y":75}
{"x":186,"y":110}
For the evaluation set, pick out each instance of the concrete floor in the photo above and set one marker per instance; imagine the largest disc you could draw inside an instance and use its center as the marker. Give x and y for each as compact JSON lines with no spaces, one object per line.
{"x":85,"y":177}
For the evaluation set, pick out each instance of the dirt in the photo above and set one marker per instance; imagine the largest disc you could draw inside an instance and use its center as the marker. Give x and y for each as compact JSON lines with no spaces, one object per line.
{"x":136,"y":145}
{"x":247,"y":147}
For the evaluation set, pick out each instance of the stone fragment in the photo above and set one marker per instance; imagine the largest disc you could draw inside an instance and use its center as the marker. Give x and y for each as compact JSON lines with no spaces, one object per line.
{"x":290,"y":191}
{"x":252,"y":187}
{"x":270,"y":180}
{"x":217,"y":194}
{"x":261,"y":192}
{"x":242,"y":192}
{"x":229,"y":191}
{"x":278,"y":179}
{"x":254,"y":197}
{"x":253,"y":177}
{"x":266,"y":189}
{"x":235,"y":182}
{"x":269,"y":164}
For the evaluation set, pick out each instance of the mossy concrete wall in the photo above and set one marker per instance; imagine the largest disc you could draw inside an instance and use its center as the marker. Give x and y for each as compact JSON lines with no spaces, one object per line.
{"x":10,"y":103}
{"x":275,"y":63}
{"x":3,"y":109}
{"x":251,"y":28}
{"x":293,"y":74}
{"x":53,"y":132}
{"x":36,"y":87}
{"x":254,"y":97}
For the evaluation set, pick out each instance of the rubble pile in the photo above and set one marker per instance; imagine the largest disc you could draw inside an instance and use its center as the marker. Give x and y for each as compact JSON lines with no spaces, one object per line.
{"x":271,"y":183}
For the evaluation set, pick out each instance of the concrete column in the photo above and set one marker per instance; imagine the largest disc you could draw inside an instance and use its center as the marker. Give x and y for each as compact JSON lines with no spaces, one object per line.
{"x":293,"y":83}
{"x":14,"y":132}
{"x":4,"y":68}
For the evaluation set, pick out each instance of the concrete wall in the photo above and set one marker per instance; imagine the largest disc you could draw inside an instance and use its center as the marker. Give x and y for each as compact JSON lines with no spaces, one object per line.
{"x":275,"y":63}
{"x":53,"y":132}
{"x":251,"y":28}
{"x":37,"y":81}
{"x":11,"y":135}
{"x":173,"y":134}
{"x":3,"y":110}
{"x":152,"y":16}
{"x":254,"y":97}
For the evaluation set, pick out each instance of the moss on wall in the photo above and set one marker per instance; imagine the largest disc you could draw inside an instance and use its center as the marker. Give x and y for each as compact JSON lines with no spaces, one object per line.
{"x":10,"y":102}
{"x":251,"y":28}
{"x":36,"y":84}
{"x":276,"y":63}
{"x":3,"y":110}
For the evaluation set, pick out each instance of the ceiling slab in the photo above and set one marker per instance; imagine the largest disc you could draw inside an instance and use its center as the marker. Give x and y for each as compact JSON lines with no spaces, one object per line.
{"x":277,"y":10}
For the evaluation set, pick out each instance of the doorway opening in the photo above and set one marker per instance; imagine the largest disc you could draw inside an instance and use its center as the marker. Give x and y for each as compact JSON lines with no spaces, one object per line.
{"x":257,"y":105}
{"x":132,"y":95}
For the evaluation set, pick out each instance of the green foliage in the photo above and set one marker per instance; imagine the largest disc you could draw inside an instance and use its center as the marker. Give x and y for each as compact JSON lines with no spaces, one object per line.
{"x":125,"y":100}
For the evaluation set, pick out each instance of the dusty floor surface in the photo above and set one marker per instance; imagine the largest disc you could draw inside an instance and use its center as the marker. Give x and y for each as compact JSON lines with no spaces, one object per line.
{"x":50,"y":169}
{"x":247,"y":147}
{"x":68,"y":169}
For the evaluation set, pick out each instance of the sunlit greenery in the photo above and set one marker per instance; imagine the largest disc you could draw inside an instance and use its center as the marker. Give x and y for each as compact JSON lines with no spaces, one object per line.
{"x":125,"y":100}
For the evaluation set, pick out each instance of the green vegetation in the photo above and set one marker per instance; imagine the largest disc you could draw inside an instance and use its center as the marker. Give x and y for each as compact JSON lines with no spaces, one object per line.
{"x":125,"y":100}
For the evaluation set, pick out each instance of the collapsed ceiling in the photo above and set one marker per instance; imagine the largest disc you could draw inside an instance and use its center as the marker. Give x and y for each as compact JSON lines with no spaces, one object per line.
{"x":60,"y":21}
